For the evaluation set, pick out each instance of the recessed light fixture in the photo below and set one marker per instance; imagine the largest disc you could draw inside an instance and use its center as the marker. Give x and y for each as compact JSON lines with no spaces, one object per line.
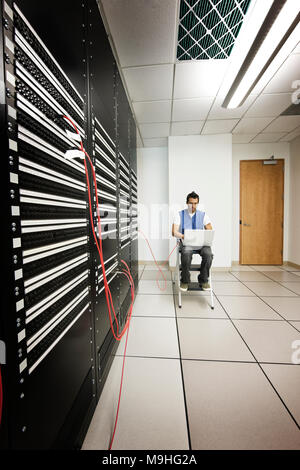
{"x":279,"y":23}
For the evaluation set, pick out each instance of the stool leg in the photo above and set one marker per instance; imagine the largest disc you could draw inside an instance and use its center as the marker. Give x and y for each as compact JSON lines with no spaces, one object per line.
{"x":212,"y":305}
{"x":178,"y":279}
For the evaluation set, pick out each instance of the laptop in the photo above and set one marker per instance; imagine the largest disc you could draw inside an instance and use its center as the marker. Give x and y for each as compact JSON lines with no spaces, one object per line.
{"x":198,"y":237}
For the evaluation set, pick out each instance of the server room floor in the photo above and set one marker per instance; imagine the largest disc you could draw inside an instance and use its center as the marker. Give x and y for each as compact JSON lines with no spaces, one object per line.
{"x":208,"y":379}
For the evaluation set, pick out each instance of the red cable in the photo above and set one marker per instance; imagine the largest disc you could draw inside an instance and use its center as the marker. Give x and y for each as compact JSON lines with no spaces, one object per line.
{"x":121,"y":385}
{"x":118,"y":337}
{"x":146,"y":239}
{"x":126,"y":271}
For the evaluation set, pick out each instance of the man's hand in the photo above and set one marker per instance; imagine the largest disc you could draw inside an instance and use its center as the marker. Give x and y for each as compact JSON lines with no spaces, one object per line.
{"x":175,"y":232}
{"x":208,"y":227}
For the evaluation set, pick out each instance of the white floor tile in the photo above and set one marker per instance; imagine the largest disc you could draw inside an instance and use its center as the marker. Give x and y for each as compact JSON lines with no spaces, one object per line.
{"x":100,"y":431}
{"x":270,"y":341}
{"x":296,"y":324}
{"x":247,"y":308}
{"x":240,"y":268}
{"x":151,"y":287}
{"x":153,"y":305}
{"x":283,"y":276}
{"x":288,"y":307}
{"x":292,"y":286}
{"x":222,"y":276}
{"x":152,"y":412}
{"x":156,"y":274}
{"x":151,"y":337}
{"x":212,"y":340}
{"x":199,"y":307}
{"x":264,"y":289}
{"x":233,"y":406}
{"x":230,"y":405}
{"x":252,"y":276}
{"x":231,"y":288}
{"x":286,"y":380}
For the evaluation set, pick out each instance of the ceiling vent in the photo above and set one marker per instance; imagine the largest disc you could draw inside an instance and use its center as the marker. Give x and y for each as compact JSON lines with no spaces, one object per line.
{"x":208,"y":28}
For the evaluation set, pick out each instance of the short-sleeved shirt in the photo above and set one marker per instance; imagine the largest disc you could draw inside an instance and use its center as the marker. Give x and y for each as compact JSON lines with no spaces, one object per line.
{"x":176,"y":219}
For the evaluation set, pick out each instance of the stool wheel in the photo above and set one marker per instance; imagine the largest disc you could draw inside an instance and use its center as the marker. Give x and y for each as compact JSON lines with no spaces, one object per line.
{"x":212,"y":308}
{"x":179,"y":306}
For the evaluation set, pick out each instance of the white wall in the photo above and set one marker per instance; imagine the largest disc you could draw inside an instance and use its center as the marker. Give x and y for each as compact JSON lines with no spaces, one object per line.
{"x":203,"y":163}
{"x":294,"y":228}
{"x":153,"y":200}
{"x":253,"y":152}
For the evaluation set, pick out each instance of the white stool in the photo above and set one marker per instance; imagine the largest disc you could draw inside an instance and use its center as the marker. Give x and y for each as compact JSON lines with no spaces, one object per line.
{"x":192,"y":285}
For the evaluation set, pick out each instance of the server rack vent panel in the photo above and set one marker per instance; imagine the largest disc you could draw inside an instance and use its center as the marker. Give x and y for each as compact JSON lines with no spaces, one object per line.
{"x":59,"y":342}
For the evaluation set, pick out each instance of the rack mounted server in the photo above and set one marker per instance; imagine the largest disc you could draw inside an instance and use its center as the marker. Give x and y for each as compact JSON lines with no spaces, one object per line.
{"x":54,"y":321}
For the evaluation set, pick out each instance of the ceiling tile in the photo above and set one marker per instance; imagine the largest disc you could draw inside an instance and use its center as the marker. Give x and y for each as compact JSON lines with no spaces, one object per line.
{"x":283,"y":124}
{"x":163,"y":142}
{"x":291,"y":136}
{"x":143,"y":31}
{"x":218,"y":112}
{"x":242,"y":138}
{"x":151,"y":83}
{"x":251,"y":125}
{"x":220,"y":126}
{"x":152,"y":111}
{"x":186,"y":128}
{"x":286,"y":75}
{"x":269,"y":137}
{"x":191,"y":110}
{"x":270,"y":105}
{"x":149,"y":131}
{"x":194,"y":79}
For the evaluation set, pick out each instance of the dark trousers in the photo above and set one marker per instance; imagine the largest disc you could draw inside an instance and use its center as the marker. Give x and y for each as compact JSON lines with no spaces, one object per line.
{"x":186,"y":260}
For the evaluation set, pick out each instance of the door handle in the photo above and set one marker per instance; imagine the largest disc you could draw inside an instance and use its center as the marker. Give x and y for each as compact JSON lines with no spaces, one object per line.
{"x":247,"y":225}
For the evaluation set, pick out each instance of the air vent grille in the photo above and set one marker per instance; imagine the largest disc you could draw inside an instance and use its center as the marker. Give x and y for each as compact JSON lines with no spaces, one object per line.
{"x":208,"y":28}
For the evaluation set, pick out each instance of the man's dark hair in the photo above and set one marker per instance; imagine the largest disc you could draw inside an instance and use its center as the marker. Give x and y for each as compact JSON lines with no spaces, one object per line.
{"x":192,"y":195}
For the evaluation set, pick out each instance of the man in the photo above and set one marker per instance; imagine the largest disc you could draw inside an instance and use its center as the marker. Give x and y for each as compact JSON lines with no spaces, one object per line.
{"x":191,"y":218}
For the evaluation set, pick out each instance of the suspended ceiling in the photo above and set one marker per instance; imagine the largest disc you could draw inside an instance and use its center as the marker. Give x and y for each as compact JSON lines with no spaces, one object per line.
{"x":183,"y":97}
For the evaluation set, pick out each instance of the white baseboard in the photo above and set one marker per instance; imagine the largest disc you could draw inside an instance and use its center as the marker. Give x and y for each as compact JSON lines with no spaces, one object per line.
{"x":214,"y":268}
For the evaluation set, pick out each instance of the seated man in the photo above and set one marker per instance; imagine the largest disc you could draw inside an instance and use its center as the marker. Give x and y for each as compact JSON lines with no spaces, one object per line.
{"x":191,"y":218}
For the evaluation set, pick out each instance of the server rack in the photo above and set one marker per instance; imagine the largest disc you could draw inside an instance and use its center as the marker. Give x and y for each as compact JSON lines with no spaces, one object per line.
{"x":54,"y":318}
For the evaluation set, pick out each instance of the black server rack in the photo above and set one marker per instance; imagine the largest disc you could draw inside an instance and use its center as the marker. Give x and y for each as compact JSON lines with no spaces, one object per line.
{"x":56,"y":60}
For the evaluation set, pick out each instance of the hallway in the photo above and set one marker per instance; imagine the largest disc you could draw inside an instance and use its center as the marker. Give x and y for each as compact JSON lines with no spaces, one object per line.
{"x":208,"y":379}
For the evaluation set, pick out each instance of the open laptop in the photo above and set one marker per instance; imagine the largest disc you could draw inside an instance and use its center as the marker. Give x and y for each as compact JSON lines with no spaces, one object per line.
{"x":198,"y":237}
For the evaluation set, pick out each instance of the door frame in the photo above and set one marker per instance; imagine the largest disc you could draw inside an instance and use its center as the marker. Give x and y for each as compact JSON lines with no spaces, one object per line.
{"x":240,"y":204}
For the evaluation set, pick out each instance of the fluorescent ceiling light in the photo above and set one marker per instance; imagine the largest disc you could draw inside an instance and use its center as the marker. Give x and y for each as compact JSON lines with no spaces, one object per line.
{"x":281,"y":20}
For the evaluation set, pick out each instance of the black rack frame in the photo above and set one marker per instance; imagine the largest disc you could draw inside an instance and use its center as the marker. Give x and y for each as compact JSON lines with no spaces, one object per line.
{"x":57,"y":357}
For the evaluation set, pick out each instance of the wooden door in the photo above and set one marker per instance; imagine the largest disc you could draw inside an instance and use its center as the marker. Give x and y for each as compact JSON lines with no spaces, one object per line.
{"x":261,"y":212}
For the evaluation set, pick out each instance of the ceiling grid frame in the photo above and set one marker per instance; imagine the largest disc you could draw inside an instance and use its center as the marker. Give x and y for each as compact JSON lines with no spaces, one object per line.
{"x":190,"y":90}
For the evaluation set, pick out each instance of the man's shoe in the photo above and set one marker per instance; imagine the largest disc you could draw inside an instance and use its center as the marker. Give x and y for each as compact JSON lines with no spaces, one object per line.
{"x":205,"y":286}
{"x":183,"y":286}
